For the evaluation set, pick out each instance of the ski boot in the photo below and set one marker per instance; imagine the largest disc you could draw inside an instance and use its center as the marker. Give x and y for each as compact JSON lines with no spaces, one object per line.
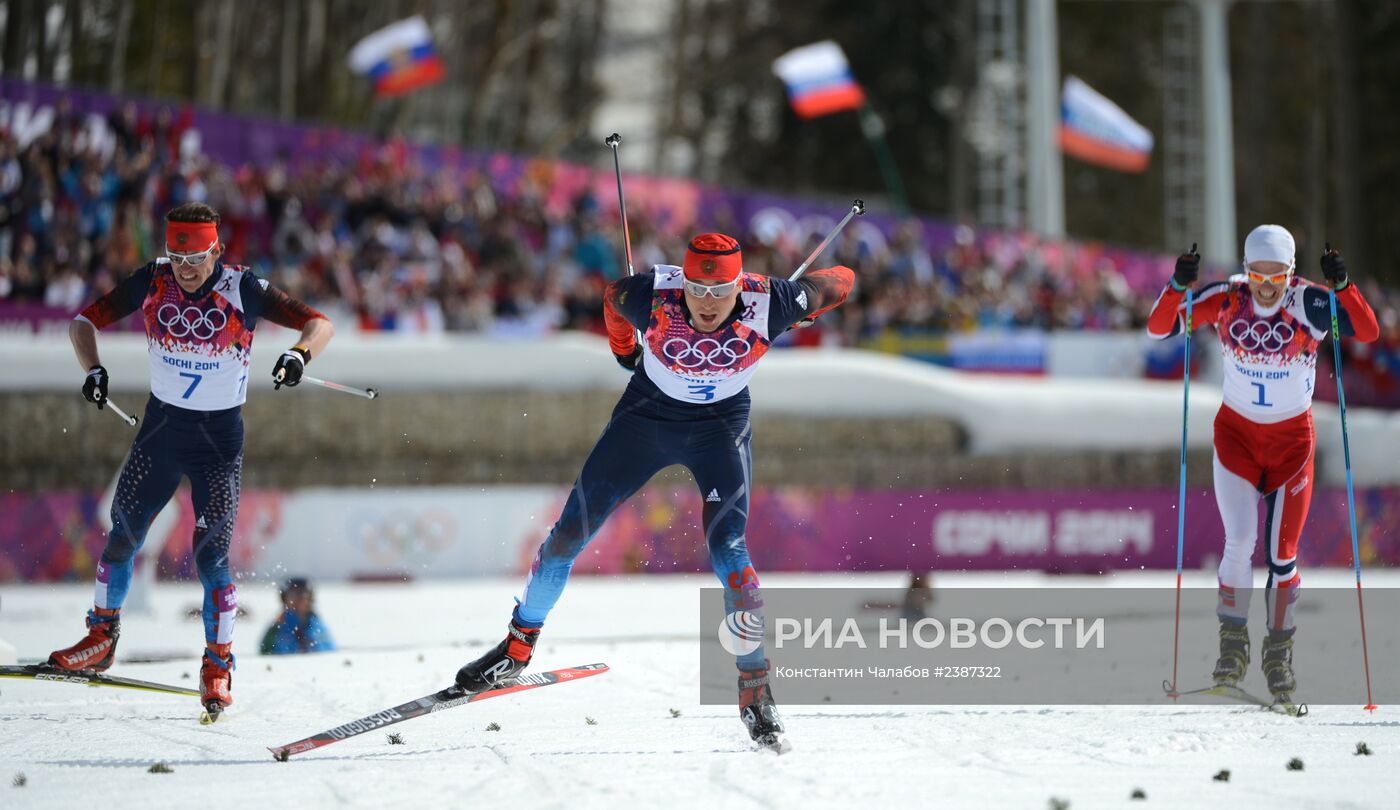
{"x":758,"y":711}
{"x":215,"y":681}
{"x":97,"y":650}
{"x":1234,"y":654}
{"x":505,"y":661}
{"x":1277,"y":661}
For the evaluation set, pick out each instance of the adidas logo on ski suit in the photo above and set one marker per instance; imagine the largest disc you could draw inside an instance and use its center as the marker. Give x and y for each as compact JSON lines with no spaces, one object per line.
{"x":713,"y":497}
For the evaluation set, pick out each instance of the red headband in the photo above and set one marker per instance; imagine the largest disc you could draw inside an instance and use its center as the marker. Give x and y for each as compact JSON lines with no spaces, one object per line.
{"x":713,"y":257}
{"x":191,"y":237}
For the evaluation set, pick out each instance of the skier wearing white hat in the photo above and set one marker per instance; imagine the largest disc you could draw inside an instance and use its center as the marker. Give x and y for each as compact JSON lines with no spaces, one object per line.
{"x":1270,"y":324}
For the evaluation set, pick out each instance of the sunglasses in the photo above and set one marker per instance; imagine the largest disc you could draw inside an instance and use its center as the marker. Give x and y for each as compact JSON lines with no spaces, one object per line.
{"x":699,"y":290}
{"x":191,"y":259}
{"x":1268,"y":278}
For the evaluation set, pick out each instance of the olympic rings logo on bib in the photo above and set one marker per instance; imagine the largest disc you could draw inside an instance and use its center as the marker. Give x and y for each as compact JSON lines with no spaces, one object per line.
{"x":1254,"y":336}
{"x":706,"y":350}
{"x":194,"y":322}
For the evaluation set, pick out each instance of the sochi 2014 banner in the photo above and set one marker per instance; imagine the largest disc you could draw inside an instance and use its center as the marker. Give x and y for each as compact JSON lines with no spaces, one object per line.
{"x":429,"y":532}
{"x":1095,"y":130}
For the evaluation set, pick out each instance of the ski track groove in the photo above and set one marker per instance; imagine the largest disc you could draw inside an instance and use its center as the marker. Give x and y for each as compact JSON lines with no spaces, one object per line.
{"x":334,"y":791}
{"x":719,"y":778}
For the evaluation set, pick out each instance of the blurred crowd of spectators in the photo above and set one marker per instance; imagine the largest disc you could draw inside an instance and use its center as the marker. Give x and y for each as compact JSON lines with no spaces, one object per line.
{"x":399,"y":247}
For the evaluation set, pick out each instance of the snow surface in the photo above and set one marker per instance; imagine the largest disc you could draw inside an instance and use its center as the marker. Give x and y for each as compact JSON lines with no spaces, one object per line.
{"x":77,"y":746}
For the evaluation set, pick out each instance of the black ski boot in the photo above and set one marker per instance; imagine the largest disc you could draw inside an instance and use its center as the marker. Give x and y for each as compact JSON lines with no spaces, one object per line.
{"x":757,"y":709}
{"x":1277,"y":661}
{"x":508,"y":659}
{"x":1234,"y":654}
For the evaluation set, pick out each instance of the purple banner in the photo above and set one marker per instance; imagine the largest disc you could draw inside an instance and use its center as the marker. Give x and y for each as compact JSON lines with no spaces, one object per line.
{"x":54,"y":536}
{"x":20,"y":318}
{"x":800,"y":529}
{"x":33,"y":319}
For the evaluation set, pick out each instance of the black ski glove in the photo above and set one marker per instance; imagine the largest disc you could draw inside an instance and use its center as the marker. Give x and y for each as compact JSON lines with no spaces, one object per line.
{"x":289,"y":367}
{"x":1188,"y":267}
{"x":1334,"y":268}
{"x":95,"y":386}
{"x":632,"y":360}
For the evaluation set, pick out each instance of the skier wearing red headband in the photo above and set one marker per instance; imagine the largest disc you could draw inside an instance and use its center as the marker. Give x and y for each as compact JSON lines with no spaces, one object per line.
{"x":199,"y":316}
{"x":704,"y":328}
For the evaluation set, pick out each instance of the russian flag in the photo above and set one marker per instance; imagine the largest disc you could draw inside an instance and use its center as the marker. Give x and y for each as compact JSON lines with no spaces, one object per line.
{"x":818,"y":80}
{"x":1097,"y":131}
{"x":399,"y":58}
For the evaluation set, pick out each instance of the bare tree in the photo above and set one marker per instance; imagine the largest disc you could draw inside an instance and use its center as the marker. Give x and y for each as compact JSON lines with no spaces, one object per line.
{"x":72,"y":13}
{"x":315,"y":34}
{"x":223,"y":41}
{"x":15,"y":31}
{"x":44,"y":46}
{"x":116,"y":72}
{"x":287,"y":75}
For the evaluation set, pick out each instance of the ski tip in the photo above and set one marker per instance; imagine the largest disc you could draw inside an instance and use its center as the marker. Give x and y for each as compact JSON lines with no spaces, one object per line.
{"x":280,"y":754}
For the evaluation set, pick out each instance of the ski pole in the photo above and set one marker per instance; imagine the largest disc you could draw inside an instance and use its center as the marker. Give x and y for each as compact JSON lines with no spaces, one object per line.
{"x":367,"y":393}
{"x":125,"y":417}
{"x":857,"y":209}
{"x":1181,"y":492}
{"x":1351,"y":493}
{"x":613,"y":141}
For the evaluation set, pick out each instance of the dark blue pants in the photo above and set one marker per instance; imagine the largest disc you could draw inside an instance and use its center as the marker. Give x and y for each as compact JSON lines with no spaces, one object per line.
{"x":207,"y":448}
{"x":643,"y":437}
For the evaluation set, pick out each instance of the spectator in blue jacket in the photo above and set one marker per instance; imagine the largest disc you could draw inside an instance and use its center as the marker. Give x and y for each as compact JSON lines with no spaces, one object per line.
{"x":299,"y":629}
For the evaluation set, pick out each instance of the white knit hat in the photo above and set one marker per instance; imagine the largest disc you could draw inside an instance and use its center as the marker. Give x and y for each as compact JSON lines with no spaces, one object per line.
{"x":1269,"y":243}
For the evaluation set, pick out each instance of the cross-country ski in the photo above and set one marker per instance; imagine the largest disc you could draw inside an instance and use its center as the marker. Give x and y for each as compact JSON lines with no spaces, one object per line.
{"x":437,"y":701}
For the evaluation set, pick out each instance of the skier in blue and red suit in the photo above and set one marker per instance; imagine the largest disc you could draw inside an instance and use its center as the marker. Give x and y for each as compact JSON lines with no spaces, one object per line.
{"x":704,"y":328}
{"x":199,"y":315}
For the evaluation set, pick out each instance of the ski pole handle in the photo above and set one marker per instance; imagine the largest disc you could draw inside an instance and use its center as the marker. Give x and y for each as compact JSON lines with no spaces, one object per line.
{"x":123,"y":415}
{"x":367,"y":393}
{"x":857,"y":209}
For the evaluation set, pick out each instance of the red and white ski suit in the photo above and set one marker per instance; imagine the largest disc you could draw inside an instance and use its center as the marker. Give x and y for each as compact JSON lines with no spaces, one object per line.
{"x":1264,"y":436}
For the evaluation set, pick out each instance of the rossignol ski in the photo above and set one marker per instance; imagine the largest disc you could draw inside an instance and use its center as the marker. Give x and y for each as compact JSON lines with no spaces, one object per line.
{"x":437,"y":701}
